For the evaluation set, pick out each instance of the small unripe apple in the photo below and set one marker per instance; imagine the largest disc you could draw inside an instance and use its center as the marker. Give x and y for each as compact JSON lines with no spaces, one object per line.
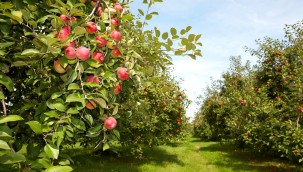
{"x":115,"y":53}
{"x":70,"y":53}
{"x":118,"y":89}
{"x":91,"y":27}
{"x":89,"y":105}
{"x":122,"y":73}
{"x":101,"y":40}
{"x":116,"y":35}
{"x":99,"y":56}
{"x":118,"y":6}
{"x":64,"y":33}
{"x":64,"y":18}
{"x":83,"y":53}
{"x":110,"y":45}
{"x":110,"y":123}
{"x":92,"y":78}
{"x":58,"y":68}
{"x":115,"y":22}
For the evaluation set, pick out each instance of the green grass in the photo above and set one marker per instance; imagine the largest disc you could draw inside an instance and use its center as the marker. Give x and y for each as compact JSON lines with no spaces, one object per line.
{"x":189,"y":156}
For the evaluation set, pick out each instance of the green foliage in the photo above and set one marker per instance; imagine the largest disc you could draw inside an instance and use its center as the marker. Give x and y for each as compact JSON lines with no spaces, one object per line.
{"x":260,"y":107}
{"x":62,"y":100}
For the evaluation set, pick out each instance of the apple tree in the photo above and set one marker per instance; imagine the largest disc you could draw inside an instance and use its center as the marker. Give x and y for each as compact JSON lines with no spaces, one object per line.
{"x":69,"y":69}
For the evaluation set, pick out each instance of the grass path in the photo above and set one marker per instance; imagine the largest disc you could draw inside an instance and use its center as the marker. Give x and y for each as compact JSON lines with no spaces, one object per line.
{"x":190,"y":156}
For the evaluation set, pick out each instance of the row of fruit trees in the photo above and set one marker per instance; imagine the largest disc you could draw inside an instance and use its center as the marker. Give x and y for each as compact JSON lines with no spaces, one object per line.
{"x":260,"y":106}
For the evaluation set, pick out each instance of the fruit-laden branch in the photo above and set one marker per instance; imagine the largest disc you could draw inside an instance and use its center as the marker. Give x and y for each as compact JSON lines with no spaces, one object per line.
{"x":3,"y":104}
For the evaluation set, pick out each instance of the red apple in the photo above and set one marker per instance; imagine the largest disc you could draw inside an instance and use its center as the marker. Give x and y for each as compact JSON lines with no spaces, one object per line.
{"x":73,"y":19}
{"x":92,"y":78}
{"x":242,"y":102}
{"x":110,"y":123}
{"x":300,"y":109}
{"x":64,"y":33}
{"x":83,"y":53}
{"x":70,"y":44}
{"x":99,"y":11}
{"x":99,"y":56}
{"x":118,"y":6}
{"x":101,"y":40}
{"x":122,"y":73}
{"x":115,"y":22}
{"x":178,"y":120}
{"x":116,"y":35}
{"x":91,"y":27}
{"x":118,"y":89}
{"x":58,"y":68}
{"x":70,"y":53}
{"x":64,"y":18}
{"x":89,"y":105}
{"x":115,"y":53}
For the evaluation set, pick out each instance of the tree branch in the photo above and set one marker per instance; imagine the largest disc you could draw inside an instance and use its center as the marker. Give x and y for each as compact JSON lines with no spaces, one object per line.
{"x":3,"y":104}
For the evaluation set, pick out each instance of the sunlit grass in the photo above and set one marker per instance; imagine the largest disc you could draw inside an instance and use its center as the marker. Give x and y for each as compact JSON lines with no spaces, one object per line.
{"x":190,"y":156}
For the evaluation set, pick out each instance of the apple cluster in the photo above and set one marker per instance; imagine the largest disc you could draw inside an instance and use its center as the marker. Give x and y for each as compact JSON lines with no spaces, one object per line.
{"x":107,"y":41}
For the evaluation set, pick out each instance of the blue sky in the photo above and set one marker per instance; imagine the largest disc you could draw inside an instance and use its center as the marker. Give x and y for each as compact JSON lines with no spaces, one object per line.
{"x":226,"y":27}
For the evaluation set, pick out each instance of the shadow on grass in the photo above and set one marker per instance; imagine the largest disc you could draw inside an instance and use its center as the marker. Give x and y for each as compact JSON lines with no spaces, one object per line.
{"x":83,"y":161}
{"x":244,"y":159}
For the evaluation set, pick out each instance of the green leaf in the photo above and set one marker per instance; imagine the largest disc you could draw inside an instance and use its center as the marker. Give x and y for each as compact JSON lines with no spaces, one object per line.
{"x":52,"y":114}
{"x":188,"y":28}
{"x":73,"y":86}
{"x":106,"y":146}
{"x":148,"y":16}
{"x":29,"y":52}
{"x":4,"y":145}
{"x":116,"y":133}
{"x":78,"y":124}
{"x":10,"y":118}
{"x":116,"y":110}
{"x":165,"y":35}
{"x":11,"y":158}
{"x":59,"y":106}
{"x":75,"y":97}
{"x":56,"y":95}
{"x":6,"y":44}
{"x":59,"y":169}
{"x":7,"y":82}
{"x":72,"y":110}
{"x":52,"y":151}
{"x":101,"y":102}
{"x":127,"y":17}
{"x":173,"y":31}
{"x":79,"y":30}
{"x":141,"y":12}
{"x":6,"y":5}
{"x":35,"y":126}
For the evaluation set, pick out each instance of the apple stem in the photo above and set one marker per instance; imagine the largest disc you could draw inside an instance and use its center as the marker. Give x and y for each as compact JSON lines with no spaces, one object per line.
{"x":93,"y":11}
{"x":3,"y":105}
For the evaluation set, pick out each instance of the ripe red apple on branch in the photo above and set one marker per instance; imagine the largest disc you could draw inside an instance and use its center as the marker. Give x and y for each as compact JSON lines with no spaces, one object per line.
{"x":99,"y":56}
{"x":115,"y":52}
{"x":122,"y":73}
{"x":110,"y":123}
{"x":116,"y":35}
{"x":101,"y":40}
{"x":83,"y":53}
{"x":64,"y":33}
{"x":91,"y":27}
{"x":118,"y":89}
{"x":70,"y":53}
{"x":92,"y":78}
